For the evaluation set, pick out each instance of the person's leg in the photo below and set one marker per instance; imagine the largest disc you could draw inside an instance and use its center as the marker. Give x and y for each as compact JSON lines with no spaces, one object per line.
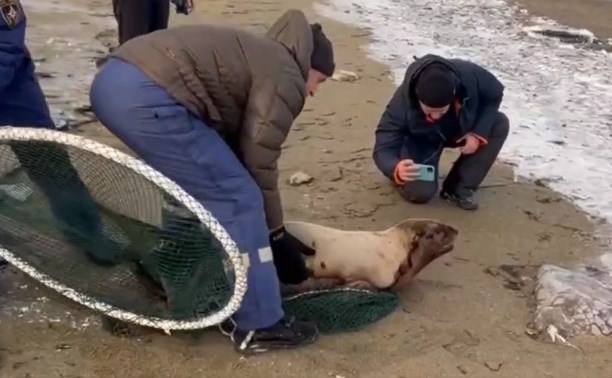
{"x":117,"y":4}
{"x":469,"y":171}
{"x":133,"y":18}
{"x":160,"y":14}
{"x":23,"y":102}
{"x":117,"y":13}
{"x":420,"y":192}
{"x":48,"y":165}
{"x":183,"y":148}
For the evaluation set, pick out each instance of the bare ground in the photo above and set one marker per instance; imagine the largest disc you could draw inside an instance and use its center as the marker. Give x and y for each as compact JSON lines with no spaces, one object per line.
{"x":458,"y":320}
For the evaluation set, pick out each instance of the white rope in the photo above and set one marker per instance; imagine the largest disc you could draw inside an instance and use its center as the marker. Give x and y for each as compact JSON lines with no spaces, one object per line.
{"x":8,"y":133}
{"x":327,"y":291}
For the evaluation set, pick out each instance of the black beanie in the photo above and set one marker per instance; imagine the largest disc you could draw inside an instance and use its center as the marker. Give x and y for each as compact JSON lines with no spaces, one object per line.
{"x":435,"y":86}
{"x":322,"y":58}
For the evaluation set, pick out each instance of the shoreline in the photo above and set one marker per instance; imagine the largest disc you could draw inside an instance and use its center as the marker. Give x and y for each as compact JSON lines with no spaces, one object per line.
{"x":376,"y":50}
{"x":458,"y":319}
{"x":567,"y":13}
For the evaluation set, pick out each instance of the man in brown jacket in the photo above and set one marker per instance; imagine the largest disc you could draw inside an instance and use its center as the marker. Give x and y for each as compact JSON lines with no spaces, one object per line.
{"x":209,"y":107}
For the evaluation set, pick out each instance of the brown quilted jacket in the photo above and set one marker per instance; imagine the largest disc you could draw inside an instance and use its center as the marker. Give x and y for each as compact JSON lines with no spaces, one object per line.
{"x":248,"y":87}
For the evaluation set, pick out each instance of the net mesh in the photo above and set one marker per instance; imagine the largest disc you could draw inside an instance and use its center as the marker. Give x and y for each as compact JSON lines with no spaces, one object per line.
{"x":118,"y":237}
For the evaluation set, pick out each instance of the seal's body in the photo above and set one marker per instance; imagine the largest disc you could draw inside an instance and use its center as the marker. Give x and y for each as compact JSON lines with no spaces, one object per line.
{"x":379,"y":259}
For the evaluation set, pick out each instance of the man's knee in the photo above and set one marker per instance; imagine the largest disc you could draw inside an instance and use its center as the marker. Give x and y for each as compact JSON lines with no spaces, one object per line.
{"x":419,"y":192}
{"x":501,"y":127}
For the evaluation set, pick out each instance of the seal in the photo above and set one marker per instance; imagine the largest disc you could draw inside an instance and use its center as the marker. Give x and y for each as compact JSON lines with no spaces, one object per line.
{"x":371,"y":259}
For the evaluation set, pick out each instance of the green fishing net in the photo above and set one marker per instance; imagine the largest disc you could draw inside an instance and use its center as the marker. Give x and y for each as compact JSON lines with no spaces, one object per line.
{"x":110,"y":234}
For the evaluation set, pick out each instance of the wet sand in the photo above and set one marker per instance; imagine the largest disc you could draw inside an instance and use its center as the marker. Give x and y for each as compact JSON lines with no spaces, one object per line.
{"x":593,"y":15}
{"x":458,"y":318}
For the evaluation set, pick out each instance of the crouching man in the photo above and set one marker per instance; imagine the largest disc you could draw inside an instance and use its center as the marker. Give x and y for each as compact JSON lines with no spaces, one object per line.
{"x":441,"y":103}
{"x":209,"y":107}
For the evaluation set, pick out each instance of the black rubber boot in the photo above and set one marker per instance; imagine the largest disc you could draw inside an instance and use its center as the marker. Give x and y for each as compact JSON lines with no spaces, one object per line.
{"x":288,"y":333}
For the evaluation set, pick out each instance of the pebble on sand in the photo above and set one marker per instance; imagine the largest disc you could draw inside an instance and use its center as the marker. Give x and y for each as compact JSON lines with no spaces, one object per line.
{"x":299,"y":178}
{"x":343,"y":75}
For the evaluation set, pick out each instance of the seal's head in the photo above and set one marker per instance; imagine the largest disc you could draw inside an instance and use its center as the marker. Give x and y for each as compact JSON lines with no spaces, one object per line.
{"x":426,"y":240}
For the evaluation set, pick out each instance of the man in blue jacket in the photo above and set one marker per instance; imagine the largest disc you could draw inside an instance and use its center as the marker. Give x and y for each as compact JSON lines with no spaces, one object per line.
{"x":442,"y":103}
{"x":23,"y":103}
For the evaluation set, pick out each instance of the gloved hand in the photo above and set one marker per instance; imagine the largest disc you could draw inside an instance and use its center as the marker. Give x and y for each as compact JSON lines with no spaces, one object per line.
{"x":288,"y":257}
{"x":183,"y":6}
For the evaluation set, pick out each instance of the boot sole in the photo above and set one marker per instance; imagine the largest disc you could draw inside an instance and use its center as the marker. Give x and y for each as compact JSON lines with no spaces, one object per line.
{"x":270,"y":347}
{"x":450,"y":199}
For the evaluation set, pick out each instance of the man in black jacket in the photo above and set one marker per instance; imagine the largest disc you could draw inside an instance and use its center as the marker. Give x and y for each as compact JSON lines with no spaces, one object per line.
{"x":138,"y":17}
{"x":442,"y":103}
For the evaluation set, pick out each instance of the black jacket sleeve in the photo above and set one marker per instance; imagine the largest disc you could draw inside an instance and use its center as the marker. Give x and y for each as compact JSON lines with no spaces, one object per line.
{"x":390,"y":133}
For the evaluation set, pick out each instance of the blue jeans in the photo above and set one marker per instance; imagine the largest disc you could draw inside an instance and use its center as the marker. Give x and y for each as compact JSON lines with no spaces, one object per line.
{"x":182,"y":147}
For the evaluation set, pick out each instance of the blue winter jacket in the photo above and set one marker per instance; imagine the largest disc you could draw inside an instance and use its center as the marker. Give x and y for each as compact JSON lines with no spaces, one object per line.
{"x":13,"y":51}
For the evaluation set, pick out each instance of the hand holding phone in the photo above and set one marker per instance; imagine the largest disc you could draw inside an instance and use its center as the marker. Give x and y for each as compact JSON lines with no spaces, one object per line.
{"x":406,"y":170}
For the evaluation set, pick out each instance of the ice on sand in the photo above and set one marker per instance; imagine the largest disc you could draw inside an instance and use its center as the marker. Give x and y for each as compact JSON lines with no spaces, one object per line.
{"x":575,"y":302}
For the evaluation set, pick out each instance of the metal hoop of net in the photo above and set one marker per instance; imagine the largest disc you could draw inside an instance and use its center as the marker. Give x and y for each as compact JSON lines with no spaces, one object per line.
{"x":83,"y":219}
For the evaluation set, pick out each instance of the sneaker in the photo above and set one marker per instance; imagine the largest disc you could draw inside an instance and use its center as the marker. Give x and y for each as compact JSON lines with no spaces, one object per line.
{"x":466,"y":202}
{"x":288,"y":333}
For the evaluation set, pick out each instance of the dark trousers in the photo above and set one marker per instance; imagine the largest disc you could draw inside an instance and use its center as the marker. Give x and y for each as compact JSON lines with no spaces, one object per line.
{"x":139,"y":17}
{"x":468,"y":171}
{"x":185,"y":149}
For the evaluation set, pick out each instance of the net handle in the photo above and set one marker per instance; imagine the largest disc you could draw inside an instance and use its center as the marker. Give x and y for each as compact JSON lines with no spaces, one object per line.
{"x":25,"y":134}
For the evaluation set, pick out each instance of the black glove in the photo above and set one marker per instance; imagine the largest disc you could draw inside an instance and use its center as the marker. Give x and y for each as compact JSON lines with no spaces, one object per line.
{"x":288,"y":257}
{"x":181,"y":6}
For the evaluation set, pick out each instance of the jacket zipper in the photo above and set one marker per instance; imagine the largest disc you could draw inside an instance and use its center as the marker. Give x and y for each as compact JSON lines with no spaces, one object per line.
{"x":438,"y":150}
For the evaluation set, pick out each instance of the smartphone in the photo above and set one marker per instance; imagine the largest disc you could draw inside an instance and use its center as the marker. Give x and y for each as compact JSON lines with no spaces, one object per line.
{"x":426,"y":172}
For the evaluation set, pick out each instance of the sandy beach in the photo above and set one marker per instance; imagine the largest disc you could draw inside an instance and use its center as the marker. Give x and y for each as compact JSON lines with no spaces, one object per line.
{"x":458,"y":318}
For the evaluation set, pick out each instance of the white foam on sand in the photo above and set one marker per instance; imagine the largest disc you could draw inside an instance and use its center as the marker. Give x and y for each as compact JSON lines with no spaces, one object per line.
{"x":558,"y":97}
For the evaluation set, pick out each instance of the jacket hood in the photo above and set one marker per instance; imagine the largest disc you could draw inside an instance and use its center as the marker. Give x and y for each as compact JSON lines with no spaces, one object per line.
{"x":417,"y":67}
{"x":293,"y":31}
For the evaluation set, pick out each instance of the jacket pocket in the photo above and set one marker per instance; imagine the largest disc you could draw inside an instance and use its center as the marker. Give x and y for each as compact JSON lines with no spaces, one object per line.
{"x":172,"y":119}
